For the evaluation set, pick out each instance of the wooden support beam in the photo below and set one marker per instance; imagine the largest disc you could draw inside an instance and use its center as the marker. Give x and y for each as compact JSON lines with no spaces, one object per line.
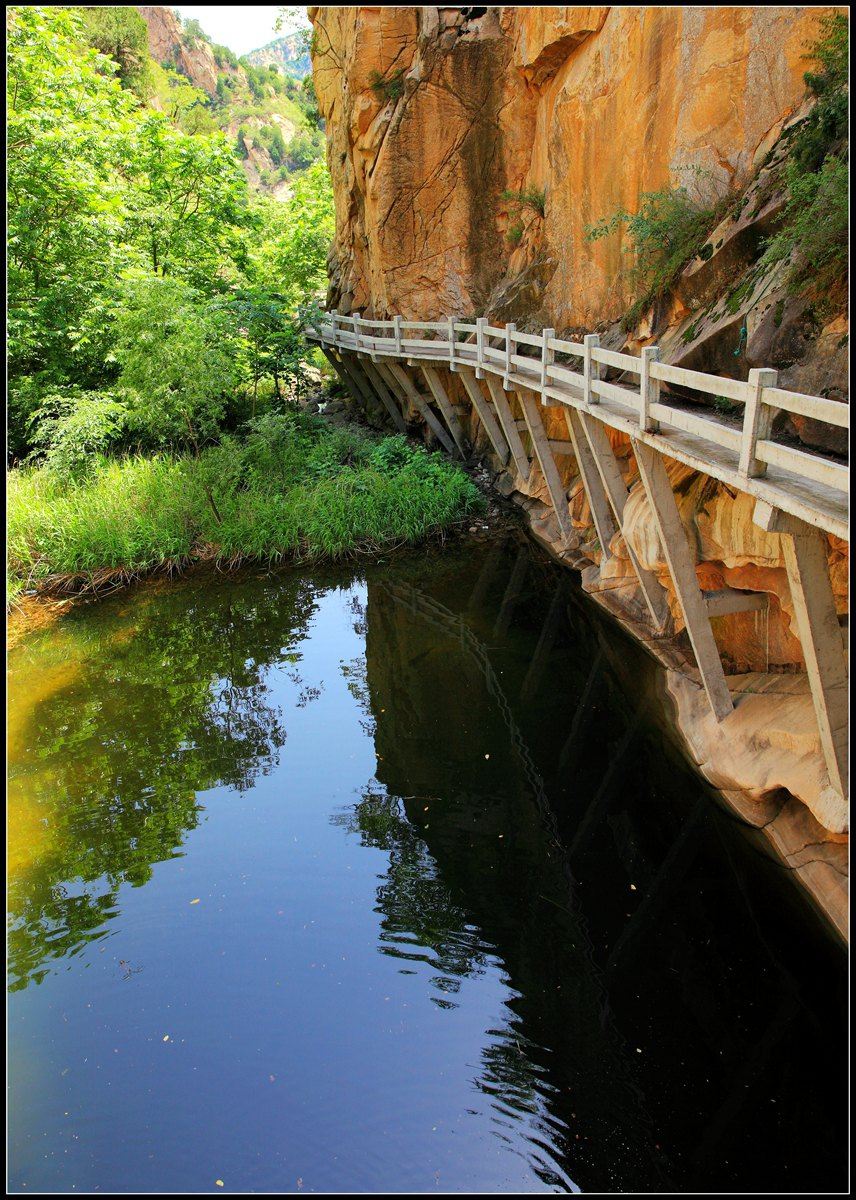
{"x":604,"y":521}
{"x":357,"y":384}
{"x":509,"y":426}
{"x":422,"y":406}
{"x":482,"y":406}
{"x":804,"y":552}
{"x":388,"y":399}
{"x":540,"y":444}
{"x":513,"y":592}
{"x":616,"y":491}
{"x":444,"y":404}
{"x":343,"y":375}
{"x":681,"y":562}
{"x":732,"y":600}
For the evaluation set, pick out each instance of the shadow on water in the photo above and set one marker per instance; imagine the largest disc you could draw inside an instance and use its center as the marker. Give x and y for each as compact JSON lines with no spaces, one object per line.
{"x":667,"y":1001}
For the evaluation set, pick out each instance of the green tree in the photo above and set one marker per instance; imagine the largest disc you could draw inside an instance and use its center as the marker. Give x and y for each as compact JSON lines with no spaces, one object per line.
{"x":290,"y":258}
{"x":178,"y":361}
{"x":187,"y":201}
{"x":69,"y":123}
{"x":121,"y":33}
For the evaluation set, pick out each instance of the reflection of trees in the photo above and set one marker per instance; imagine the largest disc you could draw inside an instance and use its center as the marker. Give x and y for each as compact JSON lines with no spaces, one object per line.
{"x":110,"y":763}
{"x":421,"y":921}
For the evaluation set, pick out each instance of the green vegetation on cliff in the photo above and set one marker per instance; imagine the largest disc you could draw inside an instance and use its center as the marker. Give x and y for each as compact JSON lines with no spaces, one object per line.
{"x":671,"y":226}
{"x":814,"y":234}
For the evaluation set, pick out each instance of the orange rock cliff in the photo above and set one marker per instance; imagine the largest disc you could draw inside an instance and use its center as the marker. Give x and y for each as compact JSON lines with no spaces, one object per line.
{"x":433,"y":112}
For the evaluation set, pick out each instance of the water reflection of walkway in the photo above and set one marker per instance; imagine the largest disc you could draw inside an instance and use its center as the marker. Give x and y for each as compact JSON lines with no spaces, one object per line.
{"x":685,"y":833}
{"x":527,"y":893}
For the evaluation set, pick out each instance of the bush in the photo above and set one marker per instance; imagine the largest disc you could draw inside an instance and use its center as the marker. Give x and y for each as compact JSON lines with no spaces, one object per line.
{"x":668,"y":229}
{"x":391,"y":88}
{"x":534,"y":198}
{"x":176,"y":362}
{"x":813,"y":234}
{"x":70,"y":427}
{"x":291,"y":486}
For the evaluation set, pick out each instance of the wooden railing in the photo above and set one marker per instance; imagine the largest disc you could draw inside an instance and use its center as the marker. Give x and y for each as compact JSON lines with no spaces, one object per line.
{"x":804,"y":483}
{"x":798,"y":492}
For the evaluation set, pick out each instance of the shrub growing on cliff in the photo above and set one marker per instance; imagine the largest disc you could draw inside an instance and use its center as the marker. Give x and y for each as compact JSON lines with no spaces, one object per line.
{"x":387,"y":88}
{"x":668,"y":229}
{"x":813,"y":234}
{"x":534,"y":198}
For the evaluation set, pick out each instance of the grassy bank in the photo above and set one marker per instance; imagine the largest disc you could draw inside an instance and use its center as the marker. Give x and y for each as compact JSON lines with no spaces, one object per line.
{"x":292,"y":487}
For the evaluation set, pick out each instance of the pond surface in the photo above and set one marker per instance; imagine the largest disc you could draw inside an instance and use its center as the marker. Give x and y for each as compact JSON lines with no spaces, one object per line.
{"x":386,"y":880}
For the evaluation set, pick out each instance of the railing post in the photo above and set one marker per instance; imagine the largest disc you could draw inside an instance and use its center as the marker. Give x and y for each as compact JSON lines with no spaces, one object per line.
{"x":396,"y":321}
{"x":591,"y":369}
{"x":480,"y":324}
{"x":333,"y":315}
{"x":547,"y":357}
{"x":510,"y":327}
{"x":452,"y":366}
{"x":757,"y":421}
{"x":649,"y":389}
{"x":356,"y":317}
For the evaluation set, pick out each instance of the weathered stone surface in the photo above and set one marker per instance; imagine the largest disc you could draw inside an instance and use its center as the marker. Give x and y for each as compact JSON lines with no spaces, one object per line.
{"x":166,"y":45}
{"x":593,"y":104}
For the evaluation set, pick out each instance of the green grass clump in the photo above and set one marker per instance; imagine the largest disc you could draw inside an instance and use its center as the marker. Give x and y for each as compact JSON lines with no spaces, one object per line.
{"x":387,"y":88}
{"x":534,"y":198}
{"x":292,"y":486}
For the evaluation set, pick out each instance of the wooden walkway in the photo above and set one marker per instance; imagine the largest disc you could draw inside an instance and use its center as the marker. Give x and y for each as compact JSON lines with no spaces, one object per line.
{"x":799,"y":494}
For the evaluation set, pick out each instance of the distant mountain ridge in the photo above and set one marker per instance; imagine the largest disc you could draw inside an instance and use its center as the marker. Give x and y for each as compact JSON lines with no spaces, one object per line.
{"x":290,"y":53}
{"x":264,"y":102}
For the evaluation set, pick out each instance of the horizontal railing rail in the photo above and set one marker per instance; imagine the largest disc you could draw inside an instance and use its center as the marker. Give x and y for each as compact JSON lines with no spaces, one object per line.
{"x":803,"y":482}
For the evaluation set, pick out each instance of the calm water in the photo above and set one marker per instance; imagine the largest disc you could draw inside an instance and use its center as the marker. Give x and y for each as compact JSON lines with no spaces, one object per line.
{"x":386,"y":881}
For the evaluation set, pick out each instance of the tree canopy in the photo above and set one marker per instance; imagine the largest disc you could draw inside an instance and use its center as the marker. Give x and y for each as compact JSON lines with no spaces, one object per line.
{"x":133,"y":223}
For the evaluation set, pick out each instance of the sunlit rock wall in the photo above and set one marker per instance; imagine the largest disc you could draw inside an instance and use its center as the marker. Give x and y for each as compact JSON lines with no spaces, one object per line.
{"x":591,"y":105}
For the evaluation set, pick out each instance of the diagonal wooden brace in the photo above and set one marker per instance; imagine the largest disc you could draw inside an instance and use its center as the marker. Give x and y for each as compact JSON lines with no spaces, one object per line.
{"x":509,"y":426}
{"x":422,"y":406}
{"x":804,"y":552}
{"x":610,"y":473}
{"x":444,"y":404}
{"x":541,"y":446}
{"x":386,"y":396}
{"x":681,"y":562}
{"x":482,"y":406}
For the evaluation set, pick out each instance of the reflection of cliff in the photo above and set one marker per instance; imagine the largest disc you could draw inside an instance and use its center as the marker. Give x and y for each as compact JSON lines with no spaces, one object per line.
{"x":133,"y":721}
{"x":528,"y":812}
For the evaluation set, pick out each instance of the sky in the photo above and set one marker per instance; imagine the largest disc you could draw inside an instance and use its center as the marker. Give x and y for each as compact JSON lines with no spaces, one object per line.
{"x":243,"y":27}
